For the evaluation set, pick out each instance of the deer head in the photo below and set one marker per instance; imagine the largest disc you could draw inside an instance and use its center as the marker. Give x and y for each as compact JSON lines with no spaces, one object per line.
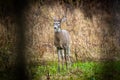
{"x":57,"y":23}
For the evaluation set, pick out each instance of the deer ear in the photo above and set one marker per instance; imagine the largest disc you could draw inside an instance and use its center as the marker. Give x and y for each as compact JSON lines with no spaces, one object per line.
{"x":54,"y":18}
{"x":63,"y":19}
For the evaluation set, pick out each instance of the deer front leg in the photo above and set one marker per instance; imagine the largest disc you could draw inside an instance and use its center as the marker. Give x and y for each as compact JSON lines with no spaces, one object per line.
{"x":58,"y":52}
{"x":62,"y":57}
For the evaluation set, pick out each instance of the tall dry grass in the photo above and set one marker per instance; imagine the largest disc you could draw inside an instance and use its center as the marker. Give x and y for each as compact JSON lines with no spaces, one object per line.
{"x":93,"y":29}
{"x":93,"y":36}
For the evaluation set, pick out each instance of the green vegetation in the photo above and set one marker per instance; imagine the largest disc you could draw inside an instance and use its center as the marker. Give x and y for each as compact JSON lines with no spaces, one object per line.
{"x":78,"y":71}
{"x":26,"y":29}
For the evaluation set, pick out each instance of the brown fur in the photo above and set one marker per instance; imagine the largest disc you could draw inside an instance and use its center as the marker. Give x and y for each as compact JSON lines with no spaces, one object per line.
{"x":62,"y":39}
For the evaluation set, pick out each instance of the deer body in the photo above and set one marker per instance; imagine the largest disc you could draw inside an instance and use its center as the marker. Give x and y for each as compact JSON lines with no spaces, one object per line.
{"x":61,"y":42}
{"x":62,"y":39}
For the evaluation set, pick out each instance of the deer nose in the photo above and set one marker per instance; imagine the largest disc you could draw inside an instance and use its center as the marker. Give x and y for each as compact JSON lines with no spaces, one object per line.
{"x":54,"y":27}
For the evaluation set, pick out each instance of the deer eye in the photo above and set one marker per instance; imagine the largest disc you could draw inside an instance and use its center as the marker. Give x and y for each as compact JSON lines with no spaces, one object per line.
{"x":57,"y":23}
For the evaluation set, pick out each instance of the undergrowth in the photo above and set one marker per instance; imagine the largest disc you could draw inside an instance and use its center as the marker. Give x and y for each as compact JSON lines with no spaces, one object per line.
{"x":78,"y":71}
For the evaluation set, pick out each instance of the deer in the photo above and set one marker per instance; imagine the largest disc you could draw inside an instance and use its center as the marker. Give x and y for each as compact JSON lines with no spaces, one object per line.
{"x":62,"y":42}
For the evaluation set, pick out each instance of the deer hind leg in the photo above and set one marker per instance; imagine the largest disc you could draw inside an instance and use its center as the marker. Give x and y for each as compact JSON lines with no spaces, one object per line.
{"x":65,"y":53}
{"x":68,"y":57}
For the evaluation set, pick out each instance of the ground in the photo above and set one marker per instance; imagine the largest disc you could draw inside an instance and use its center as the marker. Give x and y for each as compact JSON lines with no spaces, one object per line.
{"x":79,"y":71}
